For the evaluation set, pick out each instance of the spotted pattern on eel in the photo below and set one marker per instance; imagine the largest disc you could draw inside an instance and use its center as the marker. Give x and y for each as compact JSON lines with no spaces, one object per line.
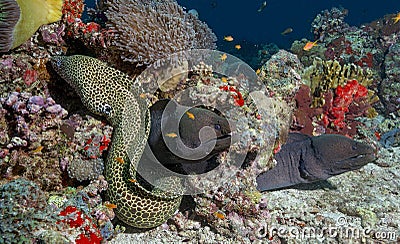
{"x":107,"y":92}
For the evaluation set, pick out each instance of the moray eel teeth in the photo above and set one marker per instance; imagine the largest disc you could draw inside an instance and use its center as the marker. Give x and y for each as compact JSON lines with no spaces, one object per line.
{"x":106,"y":91}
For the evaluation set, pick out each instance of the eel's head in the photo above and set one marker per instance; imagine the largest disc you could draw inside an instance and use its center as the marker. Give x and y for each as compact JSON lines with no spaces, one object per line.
{"x":200,"y":129}
{"x":95,"y":83}
{"x":70,"y":68}
{"x":339,"y":154}
{"x":205,"y":126}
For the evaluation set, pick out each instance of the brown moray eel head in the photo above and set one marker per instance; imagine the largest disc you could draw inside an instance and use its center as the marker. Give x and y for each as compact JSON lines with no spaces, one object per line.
{"x":341,"y":154}
{"x":197,"y":126}
{"x":192,"y":129}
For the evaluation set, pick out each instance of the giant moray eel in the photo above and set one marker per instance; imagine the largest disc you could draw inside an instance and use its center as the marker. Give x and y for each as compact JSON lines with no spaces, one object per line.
{"x":114,"y":95}
{"x":305,"y":159}
{"x":189,"y":130}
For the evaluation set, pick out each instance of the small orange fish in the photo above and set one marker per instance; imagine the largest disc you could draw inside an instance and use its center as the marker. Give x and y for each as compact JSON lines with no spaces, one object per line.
{"x":224,"y":79}
{"x":120,"y":160}
{"x":224,"y":56}
{"x":172,"y":135}
{"x":397,"y":18}
{"x":378,"y":136}
{"x":258,"y":71}
{"x":238,"y":46}
{"x":38,"y":149}
{"x":309,"y":45}
{"x":228,"y":38}
{"x":190,"y":115}
{"x":219,"y":215}
{"x":143,"y":95}
{"x":110,"y":205}
{"x":132,"y":180}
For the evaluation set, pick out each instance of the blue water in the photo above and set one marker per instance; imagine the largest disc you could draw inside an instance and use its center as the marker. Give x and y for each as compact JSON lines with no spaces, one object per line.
{"x":241,"y":19}
{"x":254,"y":30}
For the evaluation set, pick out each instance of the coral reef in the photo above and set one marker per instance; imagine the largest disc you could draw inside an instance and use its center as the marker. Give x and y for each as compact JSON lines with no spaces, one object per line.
{"x":236,"y":210}
{"x":324,"y":75}
{"x":307,"y":57}
{"x":389,"y":90}
{"x":329,"y":23}
{"x":78,"y":216}
{"x":31,"y":139}
{"x":40,"y":142}
{"x":24,"y":211}
{"x":338,"y":41}
{"x":20,"y":72}
{"x":146,"y":31}
{"x":281,"y":76}
{"x":340,"y":113}
{"x":89,"y":139}
{"x":76,"y":219}
{"x":91,"y":34}
{"x":350,"y":97}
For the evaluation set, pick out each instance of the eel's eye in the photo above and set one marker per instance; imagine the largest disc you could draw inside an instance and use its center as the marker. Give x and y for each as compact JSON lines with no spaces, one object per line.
{"x":354,"y":147}
{"x":217,"y":127}
{"x":106,"y":109}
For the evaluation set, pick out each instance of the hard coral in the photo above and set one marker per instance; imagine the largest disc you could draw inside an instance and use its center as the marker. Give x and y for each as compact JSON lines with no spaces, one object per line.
{"x":323,"y":75}
{"x":389,"y":91}
{"x":24,"y":212}
{"x":72,"y":10}
{"x":235,"y":210}
{"x":91,"y":138}
{"x":146,"y":31}
{"x":329,"y":23}
{"x":31,"y":138}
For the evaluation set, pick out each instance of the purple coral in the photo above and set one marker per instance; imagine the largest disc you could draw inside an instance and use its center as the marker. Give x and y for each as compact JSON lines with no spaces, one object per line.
{"x":29,"y":126}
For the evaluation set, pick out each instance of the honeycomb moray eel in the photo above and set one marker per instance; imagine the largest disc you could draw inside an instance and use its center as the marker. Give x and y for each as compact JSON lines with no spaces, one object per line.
{"x":106,"y":91}
{"x":305,"y":159}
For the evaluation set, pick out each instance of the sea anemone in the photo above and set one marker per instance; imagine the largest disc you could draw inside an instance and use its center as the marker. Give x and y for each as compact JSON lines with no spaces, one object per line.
{"x":19,"y":19}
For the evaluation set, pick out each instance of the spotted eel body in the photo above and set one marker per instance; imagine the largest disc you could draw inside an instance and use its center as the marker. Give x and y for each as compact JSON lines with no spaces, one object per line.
{"x":114,"y":95}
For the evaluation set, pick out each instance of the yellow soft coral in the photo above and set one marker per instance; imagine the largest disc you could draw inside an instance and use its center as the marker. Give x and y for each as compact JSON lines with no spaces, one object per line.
{"x":21,"y":18}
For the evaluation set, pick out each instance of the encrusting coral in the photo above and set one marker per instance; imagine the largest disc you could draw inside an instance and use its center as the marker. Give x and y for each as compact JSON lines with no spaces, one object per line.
{"x":146,"y":31}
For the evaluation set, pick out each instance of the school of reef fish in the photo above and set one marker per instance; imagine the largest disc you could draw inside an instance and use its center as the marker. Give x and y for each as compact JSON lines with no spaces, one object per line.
{"x":52,"y":150}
